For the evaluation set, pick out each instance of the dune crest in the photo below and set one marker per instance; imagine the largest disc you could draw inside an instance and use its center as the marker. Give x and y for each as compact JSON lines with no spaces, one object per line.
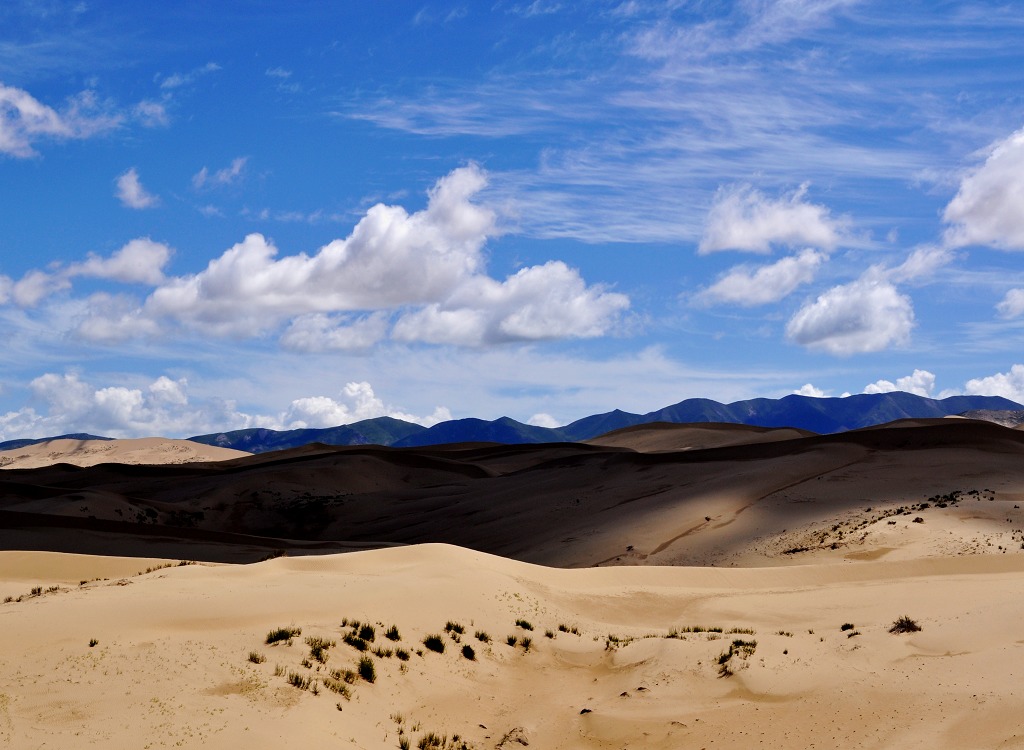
{"x":152,"y":451}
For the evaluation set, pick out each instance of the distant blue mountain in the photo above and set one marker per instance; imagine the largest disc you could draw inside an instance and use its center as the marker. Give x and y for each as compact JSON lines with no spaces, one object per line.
{"x":821,"y":415}
{"x":379,"y":431}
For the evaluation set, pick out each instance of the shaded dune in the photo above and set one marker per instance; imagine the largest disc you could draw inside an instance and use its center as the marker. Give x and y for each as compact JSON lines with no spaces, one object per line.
{"x":563,"y":504}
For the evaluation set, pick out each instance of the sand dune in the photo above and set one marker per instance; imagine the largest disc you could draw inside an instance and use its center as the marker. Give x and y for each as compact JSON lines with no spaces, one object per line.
{"x":667,"y":436}
{"x":807,"y":548}
{"x":92,"y":452}
{"x":171,"y":666}
{"x":834,"y":498}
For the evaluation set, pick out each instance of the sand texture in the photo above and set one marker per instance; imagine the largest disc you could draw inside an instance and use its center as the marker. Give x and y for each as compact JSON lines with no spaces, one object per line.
{"x":92,"y":452}
{"x":699,"y":586}
{"x":171,"y":666}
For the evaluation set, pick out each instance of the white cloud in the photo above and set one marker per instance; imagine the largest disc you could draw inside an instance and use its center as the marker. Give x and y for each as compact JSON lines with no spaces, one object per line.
{"x":226,"y":176}
{"x":536,"y":303}
{"x":809,"y":390}
{"x":867,"y":315}
{"x":152,"y":114}
{"x":279,"y":72}
{"x":324,"y":333}
{"x":358,"y":402}
{"x":1006,"y":384}
{"x":1012,"y":305}
{"x":131,"y":193}
{"x":920,"y":383}
{"x":987,"y":208}
{"x":748,"y":287}
{"x":920,"y":264}
{"x":24,"y":120}
{"x":163,"y":407}
{"x":35,"y":286}
{"x":426,"y":268}
{"x":742,"y":218}
{"x":543,"y":420}
{"x":177,"y":80}
{"x":140,"y":261}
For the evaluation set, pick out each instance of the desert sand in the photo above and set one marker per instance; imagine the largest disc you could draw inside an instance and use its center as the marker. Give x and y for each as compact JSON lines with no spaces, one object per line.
{"x":751,"y":607}
{"x":134,"y":451}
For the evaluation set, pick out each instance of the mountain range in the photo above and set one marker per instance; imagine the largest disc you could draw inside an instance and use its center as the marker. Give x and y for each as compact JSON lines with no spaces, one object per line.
{"x":820,"y":415}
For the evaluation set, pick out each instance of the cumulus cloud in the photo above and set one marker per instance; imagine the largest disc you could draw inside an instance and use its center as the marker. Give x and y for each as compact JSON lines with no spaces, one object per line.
{"x":226,"y":176}
{"x":749,"y":287}
{"x":24,"y":120}
{"x":72,"y":405}
{"x":543,"y":420}
{"x":325,"y":333}
{"x":68,"y":403}
{"x":920,"y":383}
{"x":809,"y":390}
{"x":140,"y":261}
{"x":987,"y":207}
{"x":358,"y":402}
{"x":425,"y":268}
{"x":1012,"y":305}
{"x":743,"y":218}
{"x":1006,"y":384}
{"x":540,"y":302}
{"x":131,"y":193}
{"x":867,"y":315}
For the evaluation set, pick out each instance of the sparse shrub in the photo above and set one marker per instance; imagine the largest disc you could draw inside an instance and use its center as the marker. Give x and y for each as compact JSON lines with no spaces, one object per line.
{"x":847,"y":626}
{"x":526,"y":643}
{"x":93,"y":642}
{"x":511,"y":640}
{"x":403,"y":743}
{"x":852,"y":633}
{"x":306,"y":663}
{"x":315,"y":688}
{"x":432,"y":741}
{"x":524,"y":624}
{"x":382,"y":653}
{"x":335,"y":685}
{"x":367,"y":633}
{"x":37,"y":591}
{"x":254,"y":656}
{"x":367,"y":670}
{"x":482,"y":636}
{"x":355,"y":642}
{"x":904,"y":625}
{"x":402,"y":654}
{"x":784,"y":632}
{"x":549,"y":634}
{"x":298,"y":680}
{"x":468,"y":652}
{"x":454,"y":627}
{"x":282,"y":634}
{"x":278,"y":670}
{"x":318,"y":648}
{"x":434,"y":643}
{"x":392,"y":633}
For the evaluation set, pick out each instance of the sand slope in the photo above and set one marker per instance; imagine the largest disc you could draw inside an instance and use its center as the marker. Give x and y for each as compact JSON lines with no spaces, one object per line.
{"x":92,"y":452}
{"x":171,"y":665}
{"x":837,"y":498}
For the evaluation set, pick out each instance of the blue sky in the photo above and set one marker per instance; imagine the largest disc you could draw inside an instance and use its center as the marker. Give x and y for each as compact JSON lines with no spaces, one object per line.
{"x":235,"y":214}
